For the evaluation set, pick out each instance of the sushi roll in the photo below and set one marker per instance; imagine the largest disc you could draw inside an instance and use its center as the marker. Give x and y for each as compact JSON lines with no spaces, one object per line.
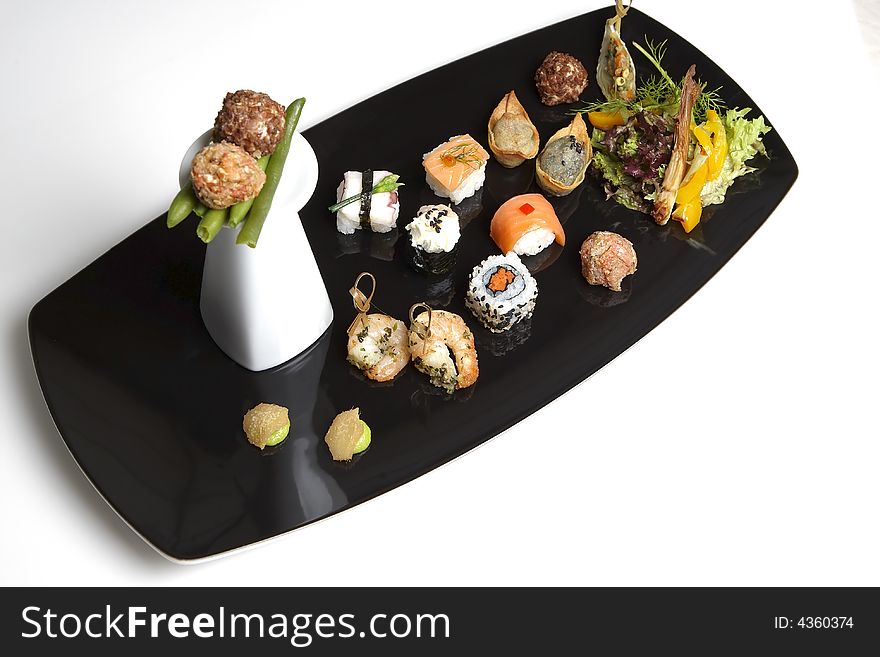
{"x":526,"y":224}
{"x":456,"y":169}
{"x":376,"y":212}
{"x":501,"y":292}
{"x":434,"y":234}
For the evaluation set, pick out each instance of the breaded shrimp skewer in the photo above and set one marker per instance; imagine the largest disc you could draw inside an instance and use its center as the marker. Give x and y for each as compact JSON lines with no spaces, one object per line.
{"x":379,"y":346}
{"x":442,"y":346}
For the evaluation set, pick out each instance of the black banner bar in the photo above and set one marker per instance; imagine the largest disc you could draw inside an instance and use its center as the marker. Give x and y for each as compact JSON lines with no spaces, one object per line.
{"x":228,"y":621}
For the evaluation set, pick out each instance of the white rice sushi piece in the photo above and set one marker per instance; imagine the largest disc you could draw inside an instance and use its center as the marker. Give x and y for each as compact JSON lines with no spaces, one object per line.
{"x":456,"y":169}
{"x":501,"y":292}
{"x":526,"y":224}
{"x":469,"y":186}
{"x":534,"y":241}
{"x":380,"y":212}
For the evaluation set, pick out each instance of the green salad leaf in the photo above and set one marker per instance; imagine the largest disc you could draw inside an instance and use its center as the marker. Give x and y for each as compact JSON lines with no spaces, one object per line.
{"x":743,"y":143}
{"x":610,"y":166}
{"x":611,"y":169}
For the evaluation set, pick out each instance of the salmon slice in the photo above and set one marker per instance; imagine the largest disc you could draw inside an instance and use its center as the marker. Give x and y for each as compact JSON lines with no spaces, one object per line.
{"x":519,"y":215}
{"x":453,"y":161}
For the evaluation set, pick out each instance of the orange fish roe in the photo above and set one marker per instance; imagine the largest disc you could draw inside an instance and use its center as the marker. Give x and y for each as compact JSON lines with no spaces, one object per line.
{"x":501,"y":279}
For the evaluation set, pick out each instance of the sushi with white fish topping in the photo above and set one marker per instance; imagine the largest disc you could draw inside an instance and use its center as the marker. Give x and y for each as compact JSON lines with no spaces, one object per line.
{"x":501,"y":292}
{"x":376,"y":212}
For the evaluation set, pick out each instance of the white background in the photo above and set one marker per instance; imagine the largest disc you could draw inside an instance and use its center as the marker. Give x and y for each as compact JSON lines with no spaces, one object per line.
{"x":736,"y":444}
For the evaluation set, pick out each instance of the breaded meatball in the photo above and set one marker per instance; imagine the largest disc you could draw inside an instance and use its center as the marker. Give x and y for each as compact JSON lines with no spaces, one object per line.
{"x":607,"y":258}
{"x":223,"y":175}
{"x":251,"y":120}
{"x":561,"y":78}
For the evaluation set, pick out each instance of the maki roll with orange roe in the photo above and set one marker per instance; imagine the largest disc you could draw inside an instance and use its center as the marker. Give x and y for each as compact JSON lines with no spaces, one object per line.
{"x":501,"y":292}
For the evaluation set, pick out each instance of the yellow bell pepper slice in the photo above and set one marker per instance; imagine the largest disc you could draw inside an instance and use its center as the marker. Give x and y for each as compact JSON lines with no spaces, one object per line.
{"x":704,"y":139}
{"x":606,"y":120}
{"x":719,"y":145}
{"x":692,"y":188}
{"x":712,"y":140}
{"x":689,"y":214}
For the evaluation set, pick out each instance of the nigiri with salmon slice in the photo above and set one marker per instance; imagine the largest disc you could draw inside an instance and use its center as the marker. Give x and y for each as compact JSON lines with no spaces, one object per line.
{"x":526,"y":224}
{"x":456,"y":169}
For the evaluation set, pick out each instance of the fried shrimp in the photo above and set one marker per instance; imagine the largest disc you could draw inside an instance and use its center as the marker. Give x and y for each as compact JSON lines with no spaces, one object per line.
{"x":379,"y":346}
{"x":442,"y":346}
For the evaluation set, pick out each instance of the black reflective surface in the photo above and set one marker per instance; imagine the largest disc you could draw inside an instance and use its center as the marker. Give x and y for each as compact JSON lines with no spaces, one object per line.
{"x":151,"y":409}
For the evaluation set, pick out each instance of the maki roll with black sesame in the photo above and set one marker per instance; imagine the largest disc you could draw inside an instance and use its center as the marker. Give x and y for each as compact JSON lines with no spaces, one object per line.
{"x":434,"y":235}
{"x":501,"y":292}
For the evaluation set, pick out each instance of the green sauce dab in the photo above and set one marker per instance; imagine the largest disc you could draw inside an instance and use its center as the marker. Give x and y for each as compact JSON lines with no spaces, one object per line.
{"x":364,"y":442}
{"x":278,"y":436}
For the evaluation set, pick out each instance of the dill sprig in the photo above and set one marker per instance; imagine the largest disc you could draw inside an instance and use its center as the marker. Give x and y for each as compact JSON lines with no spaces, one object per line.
{"x":655,"y":54}
{"x":708,"y":100}
{"x":464,"y":153}
{"x":659,"y":94}
{"x":615,"y":105}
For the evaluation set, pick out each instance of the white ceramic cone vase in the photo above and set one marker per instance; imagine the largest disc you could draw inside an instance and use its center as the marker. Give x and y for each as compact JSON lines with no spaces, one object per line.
{"x":264,"y":306}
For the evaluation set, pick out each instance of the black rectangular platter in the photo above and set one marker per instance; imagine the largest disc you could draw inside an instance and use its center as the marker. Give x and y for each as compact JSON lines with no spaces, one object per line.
{"x":151,"y":409}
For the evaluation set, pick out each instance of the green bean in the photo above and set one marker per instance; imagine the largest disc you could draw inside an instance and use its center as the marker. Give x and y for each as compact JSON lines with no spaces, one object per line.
{"x":201,"y":209}
{"x":211,"y":224}
{"x":239,"y":211}
{"x":250,"y":231}
{"x":181,"y":206}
